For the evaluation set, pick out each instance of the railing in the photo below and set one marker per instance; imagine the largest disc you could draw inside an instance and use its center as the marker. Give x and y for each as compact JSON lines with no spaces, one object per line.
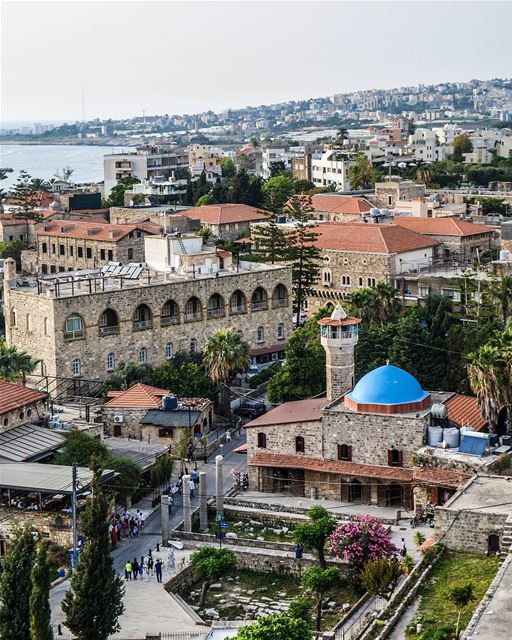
{"x":194,"y":315}
{"x":71,"y":335}
{"x":168,"y":320}
{"x":109,"y":330}
{"x":237,"y":309}
{"x":280,"y":302}
{"x":141,"y":325}
{"x":216,"y":313}
{"x":259,"y":305}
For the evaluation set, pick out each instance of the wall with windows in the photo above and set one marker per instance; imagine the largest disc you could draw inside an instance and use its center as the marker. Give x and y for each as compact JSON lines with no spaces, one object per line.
{"x":285,"y":439}
{"x":26,"y":414}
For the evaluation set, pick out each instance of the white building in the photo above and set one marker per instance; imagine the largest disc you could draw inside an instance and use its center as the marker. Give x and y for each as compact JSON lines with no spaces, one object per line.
{"x":423,"y":146}
{"x":330,"y":168}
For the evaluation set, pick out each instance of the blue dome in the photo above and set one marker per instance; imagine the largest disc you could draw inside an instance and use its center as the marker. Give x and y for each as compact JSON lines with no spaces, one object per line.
{"x":387,"y":385}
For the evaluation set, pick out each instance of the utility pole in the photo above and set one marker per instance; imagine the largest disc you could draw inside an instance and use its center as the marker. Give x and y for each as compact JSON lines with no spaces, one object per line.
{"x":73,"y":508}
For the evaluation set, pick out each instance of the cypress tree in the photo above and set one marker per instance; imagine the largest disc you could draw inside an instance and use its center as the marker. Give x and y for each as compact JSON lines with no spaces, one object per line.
{"x":304,"y":255}
{"x":40,"y":614}
{"x":95,"y":601}
{"x":16,"y":586}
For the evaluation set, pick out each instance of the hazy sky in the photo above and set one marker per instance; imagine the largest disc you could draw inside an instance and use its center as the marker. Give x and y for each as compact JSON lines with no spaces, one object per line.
{"x":183,"y":57}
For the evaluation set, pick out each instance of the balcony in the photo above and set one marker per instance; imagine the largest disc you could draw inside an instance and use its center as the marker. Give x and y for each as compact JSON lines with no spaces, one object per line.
{"x":73,"y":335}
{"x":194,"y":315}
{"x":236,"y":310}
{"x":217,"y":312}
{"x":166,"y":321}
{"x":280,"y":302}
{"x":259,"y":305}
{"x":109,"y":330}
{"x":141,"y":325}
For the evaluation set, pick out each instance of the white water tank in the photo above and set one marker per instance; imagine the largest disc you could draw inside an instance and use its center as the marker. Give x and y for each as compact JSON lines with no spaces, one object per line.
{"x":435,"y":436}
{"x":439,"y":410}
{"x":504,"y":255}
{"x":451,"y":437}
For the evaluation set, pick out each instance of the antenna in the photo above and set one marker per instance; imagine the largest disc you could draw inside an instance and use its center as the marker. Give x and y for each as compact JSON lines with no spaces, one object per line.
{"x":144,"y":116}
{"x":83,"y":104}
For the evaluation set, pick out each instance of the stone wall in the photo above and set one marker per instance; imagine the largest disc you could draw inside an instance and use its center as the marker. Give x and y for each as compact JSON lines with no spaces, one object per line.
{"x":22,"y":415}
{"x":468,"y":531}
{"x":52,"y":526}
{"x":281,"y":438}
{"x":130,"y":427}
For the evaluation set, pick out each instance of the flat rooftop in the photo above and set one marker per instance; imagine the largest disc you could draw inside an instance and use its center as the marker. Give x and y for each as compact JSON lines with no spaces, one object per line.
{"x":46,"y":478}
{"x":487,"y":494}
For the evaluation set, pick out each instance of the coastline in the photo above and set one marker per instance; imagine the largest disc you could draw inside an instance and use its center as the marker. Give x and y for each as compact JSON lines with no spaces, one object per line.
{"x":103,"y":142}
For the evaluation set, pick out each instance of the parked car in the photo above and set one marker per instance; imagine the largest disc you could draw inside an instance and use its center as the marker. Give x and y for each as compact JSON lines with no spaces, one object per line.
{"x":252,"y":371}
{"x":251,"y":409}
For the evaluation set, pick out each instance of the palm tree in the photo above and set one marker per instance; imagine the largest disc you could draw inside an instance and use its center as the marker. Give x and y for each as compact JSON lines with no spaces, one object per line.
{"x":365,"y":304}
{"x":225,"y":352}
{"x":389,"y":303}
{"x":504,"y":344}
{"x":15,"y":364}
{"x":500,"y":292}
{"x":40,"y":184}
{"x":341,"y":135}
{"x":486,"y":380}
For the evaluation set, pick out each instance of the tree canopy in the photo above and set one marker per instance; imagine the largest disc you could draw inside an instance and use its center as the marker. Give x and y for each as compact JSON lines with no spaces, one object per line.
{"x":276,"y":627}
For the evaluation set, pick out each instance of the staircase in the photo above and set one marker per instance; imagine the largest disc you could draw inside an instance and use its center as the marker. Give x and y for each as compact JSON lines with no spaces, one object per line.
{"x":506,"y":541}
{"x":182,"y":246}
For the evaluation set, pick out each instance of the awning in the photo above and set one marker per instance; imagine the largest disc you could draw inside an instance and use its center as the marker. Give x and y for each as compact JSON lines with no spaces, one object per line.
{"x":29,"y":443}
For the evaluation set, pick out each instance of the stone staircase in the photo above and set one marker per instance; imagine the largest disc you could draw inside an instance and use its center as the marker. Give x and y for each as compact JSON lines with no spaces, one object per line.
{"x":506,"y":542}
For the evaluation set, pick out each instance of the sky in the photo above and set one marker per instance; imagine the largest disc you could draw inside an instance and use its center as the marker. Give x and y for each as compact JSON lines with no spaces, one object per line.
{"x":187,"y":57}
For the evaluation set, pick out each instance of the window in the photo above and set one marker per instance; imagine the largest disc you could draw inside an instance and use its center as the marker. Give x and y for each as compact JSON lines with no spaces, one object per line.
{"x":360,"y":282}
{"x":71,"y":250}
{"x":259,"y":299}
{"x":193,"y":309}
{"x":327,"y":276}
{"x":111,"y":361}
{"x":261,"y":334}
{"x":344,"y":452}
{"x":88,"y":252}
{"x":53,"y":248}
{"x":215,"y":306}
{"x":299,"y":444}
{"x":44,"y":269}
{"x":237,"y":303}
{"x":53,"y":269}
{"x":80,"y":252}
{"x":280,"y":331}
{"x":142,"y":318}
{"x":371,"y":282}
{"x":13,"y":318}
{"x":76,"y":367}
{"x":102,"y":254}
{"x":262,"y":440}
{"x":280,"y":296}
{"x":44,"y":247}
{"x":193,"y":345}
{"x":73,"y":327}
{"x":29,"y":322}
{"x":143,"y":355}
{"x":108,"y":323}
{"x":130,"y":254}
{"x":45,"y":325}
{"x":395,"y":458}
{"x":61,"y":249}
{"x":110,"y":254}
{"x":169,"y":351}
{"x":345,"y":281}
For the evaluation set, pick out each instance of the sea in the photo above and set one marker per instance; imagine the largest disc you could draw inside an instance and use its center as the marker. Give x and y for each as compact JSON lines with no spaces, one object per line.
{"x":43,"y":161}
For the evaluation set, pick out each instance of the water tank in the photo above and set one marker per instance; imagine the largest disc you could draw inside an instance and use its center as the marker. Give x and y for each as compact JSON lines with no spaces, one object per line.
{"x":504,"y":255}
{"x":374,"y":212}
{"x":385,"y":212}
{"x":464,"y":429}
{"x":451,"y":437}
{"x":439,"y":410}
{"x":435,"y":436}
{"x":281,"y":219}
{"x":169,"y":403}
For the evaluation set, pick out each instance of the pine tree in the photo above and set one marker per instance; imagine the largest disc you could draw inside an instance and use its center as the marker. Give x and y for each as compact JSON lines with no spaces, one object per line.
{"x":16,"y":586}
{"x":25,"y":193}
{"x":40,"y":613}
{"x":95,"y":601}
{"x":304,"y":255}
{"x":270,"y":241}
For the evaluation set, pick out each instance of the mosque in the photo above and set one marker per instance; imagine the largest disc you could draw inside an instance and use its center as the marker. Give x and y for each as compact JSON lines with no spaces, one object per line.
{"x":383,"y":441}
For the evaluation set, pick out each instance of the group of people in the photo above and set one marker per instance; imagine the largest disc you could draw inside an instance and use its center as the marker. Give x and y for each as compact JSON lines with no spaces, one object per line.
{"x":241,"y":479}
{"x":126,"y":526}
{"x":145,"y":567}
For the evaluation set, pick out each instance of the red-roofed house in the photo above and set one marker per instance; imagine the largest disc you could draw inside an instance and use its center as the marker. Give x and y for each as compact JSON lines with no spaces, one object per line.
{"x":19,"y":405}
{"x":336,"y":207}
{"x":226,"y":221}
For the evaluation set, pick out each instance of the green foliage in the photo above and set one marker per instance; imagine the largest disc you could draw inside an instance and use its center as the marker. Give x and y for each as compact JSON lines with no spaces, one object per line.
{"x":276,"y":627}
{"x":128,"y":374}
{"x":161,"y":471}
{"x":15,"y":365}
{"x":12,"y":249}
{"x":303,"y":186}
{"x":246,"y":189}
{"x":419,"y":538}
{"x":300,"y":608}
{"x":204,"y":233}
{"x":264,"y":375}
{"x":277,"y":190}
{"x":25,"y":193}
{"x":360,"y":174}
{"x":270,"y":241}
{"x":380,"y":576}
{"x":320,"y":581}
{"x":313,"y":535}
{"x":228,"y":168}
{"x":209,"y":565}
{"x":204,"y":200}
{"x":489,"y":204}
{"x":461,"y":144}
{"x":16,"y":586}
{"x":407,"y":564}
{"x":95,"y":601}
{"x":116,"y":197}
{"x":278,"y":168}
{"x":40,"y":614}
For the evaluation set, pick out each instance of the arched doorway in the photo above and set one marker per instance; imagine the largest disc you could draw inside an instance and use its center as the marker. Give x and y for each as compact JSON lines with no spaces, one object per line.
{"x":355,"y":491}
{"x":394,"y":495}
{"x":493,"y":544}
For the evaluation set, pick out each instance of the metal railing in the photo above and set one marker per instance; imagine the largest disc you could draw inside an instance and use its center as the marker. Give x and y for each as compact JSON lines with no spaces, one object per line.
{"x":216,"y":313}
{"x":109,"y":330}
{"x":259,"y":305}
{"x":72,"y":335}
{"x":194,"y":315}
{"x":237,"y":309}
{"x":141,"y":325}
{"x":168,"y":320}
{"x":280,"y":302}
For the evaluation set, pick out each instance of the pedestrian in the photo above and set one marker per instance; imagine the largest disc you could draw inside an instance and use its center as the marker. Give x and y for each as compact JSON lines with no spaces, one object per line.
{"x":170,"y":503}
{"x":141,"y":520}
{"x":124,"y":528}
{"x":149,"y":563}
{"x":180,"y":484}
{"x":194,"y":476}
{"x":403,"y":548}
{"x":142,"y":560}
{"x":135,"y":568}
{"x":135,"y":531}
{"x":128,"y":571}
{"x":158,"y":569}
{"x":228,"y":436}
{"x":141,"y":570}
{"x":192,"y":487}
{"x":298,"y":552}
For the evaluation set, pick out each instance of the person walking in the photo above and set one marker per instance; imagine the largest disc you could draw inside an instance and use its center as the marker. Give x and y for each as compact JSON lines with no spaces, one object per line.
{"x":128,"y":571}
{"x":170,"y":503}
{"x":149,"y":563}
{"x":158,"y":569}
{"x":135,"y":568}
{"x":192,"y":488}
{"x":403,"y":548}
{"x":141,"y":570}
{"x":194,"y":476}
{"x":298,"y":552}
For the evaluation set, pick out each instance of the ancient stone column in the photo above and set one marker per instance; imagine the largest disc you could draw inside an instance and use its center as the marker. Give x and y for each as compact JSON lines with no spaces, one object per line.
{"x":187,"y":513}
{"x":203,"y":506}
{"x":164,"y":508}
{"x":219,"y":493}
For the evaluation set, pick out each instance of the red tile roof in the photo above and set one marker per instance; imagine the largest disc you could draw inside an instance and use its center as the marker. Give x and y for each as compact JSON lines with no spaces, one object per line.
{"x":464,"y":411}
{"x":369,"y":238}
{"x":39,"y":199}
{"x":297,"y":411}
{"x":442,"y":226}
{"x":225,"y":213}
{"x":81,"y":229}
{"x":13,"y":396}
{"x":138,"y":396}
{"x":344,"y":205}
{"x":273,"y":348}
{"x":9,"y":221}
{"x":439,"y":477}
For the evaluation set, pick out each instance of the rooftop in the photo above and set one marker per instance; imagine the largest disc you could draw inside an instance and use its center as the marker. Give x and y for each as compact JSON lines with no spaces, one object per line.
{"x":464,"y":411}
{"x":297,"y":411}
{"x":369,"y":238}
{"x":13,"y":396}
{"x":487,"y":493}
{"x":343,"y":205}
{"x":225,"y":213}
{"x":47,"y":478}
{"x":141,"y":396}
{"x":84,"y":230}
{"x":28,"y":442}
{"x":442,"y":226}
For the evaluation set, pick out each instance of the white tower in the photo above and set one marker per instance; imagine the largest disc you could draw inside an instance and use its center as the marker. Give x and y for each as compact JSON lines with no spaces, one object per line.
{"x":339,"y":336}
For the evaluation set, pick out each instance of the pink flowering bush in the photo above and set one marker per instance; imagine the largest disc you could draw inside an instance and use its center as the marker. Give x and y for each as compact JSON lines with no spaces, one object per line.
{"x":360,"y":539}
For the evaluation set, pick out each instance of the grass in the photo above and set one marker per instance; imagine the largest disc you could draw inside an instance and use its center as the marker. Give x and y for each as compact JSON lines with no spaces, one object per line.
{"x":453,"y":569}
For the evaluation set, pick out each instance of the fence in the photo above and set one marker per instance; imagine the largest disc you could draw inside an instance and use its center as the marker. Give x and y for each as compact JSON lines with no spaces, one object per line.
{"x":166,"y":635}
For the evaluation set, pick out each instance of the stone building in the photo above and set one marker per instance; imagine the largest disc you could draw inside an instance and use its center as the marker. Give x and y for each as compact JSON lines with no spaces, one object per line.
{"x":390,"y":192}
{"x":15,"y":230}
{"x":64,"y":245}
{"x":170,"y":220}
{"x":336,"y":207}
{"x":357,"y":255}
{"x":226,"y":221}
{"x":19,"y":405}
{"x":82,"y":325}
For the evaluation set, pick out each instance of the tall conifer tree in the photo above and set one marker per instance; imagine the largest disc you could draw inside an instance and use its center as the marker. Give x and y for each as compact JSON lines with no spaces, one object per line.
{"x":40,"y":613}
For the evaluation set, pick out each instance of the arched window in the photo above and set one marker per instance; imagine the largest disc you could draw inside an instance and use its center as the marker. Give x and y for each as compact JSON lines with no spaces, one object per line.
{"x":261,"y":334}
{"x":111,"y":361}
{"x":344,"y":452}
{"x":13,"y":317}
{"x":237,"y":303}
{"x":170,"y":314}
{"x":259,"y":299}
{"x":169,"y":351}
{"x":280,"y":296}
{"x":193,"y":345}
{"x":73,"y":327}
{"x":395,"y":458}
{"x":193,"y":309}
{"x":215,"y":306}
{"x":262,"y":440}
{"x":109,"y":323}
{"x":345,"y":281}
{"x":360,"y":282}
{"x":280,"y":331}
{"x":143,"y":355}
{"x":299,"y":444}
{"x":76,"y":367}
{"x":142,"y":318}
{"x":45,"y":325}
{"x":29,"y":322}
{"x":326,"y":276}
{"x":371,"y":282}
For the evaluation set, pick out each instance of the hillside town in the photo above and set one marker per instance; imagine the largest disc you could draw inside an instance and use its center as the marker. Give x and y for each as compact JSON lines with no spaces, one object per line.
{"x":256,"y":382}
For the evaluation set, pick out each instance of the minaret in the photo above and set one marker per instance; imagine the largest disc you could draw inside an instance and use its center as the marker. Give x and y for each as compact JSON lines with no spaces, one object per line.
{"x":339,"y":335}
